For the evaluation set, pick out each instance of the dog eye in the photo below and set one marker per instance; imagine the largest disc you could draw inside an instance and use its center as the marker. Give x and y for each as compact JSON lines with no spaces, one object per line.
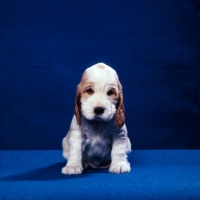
{"x":90,"y":91}
{"x":110,"y":92}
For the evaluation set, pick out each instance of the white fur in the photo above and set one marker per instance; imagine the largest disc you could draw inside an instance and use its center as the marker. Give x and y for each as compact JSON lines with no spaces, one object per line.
{"x":94,"y":129}
{"x":102,"y":79}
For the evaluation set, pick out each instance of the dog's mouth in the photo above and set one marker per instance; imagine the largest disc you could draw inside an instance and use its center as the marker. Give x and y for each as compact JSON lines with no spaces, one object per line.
{"x":97,"y":118}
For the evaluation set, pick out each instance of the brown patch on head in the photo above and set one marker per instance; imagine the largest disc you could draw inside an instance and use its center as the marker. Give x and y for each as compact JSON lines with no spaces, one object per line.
{"x":77,"y":110}
{"x":101,"y":66}
{"x":112,"y":93}
{"x":84,"y":90}
{"x":83,"y":79}
{"x":120,"y":112}
{"x":87,"y":90}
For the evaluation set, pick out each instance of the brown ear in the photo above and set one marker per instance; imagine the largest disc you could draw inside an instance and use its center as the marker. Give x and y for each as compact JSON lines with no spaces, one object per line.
{"x":78,"y":107}
{"x":120,"y":112}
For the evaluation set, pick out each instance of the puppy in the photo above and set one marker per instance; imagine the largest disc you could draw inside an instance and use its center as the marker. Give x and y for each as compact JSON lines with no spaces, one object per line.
{"x":97,"y":136}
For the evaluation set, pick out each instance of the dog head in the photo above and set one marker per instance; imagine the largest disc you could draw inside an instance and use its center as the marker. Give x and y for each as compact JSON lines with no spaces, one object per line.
{"x":99,"y":95}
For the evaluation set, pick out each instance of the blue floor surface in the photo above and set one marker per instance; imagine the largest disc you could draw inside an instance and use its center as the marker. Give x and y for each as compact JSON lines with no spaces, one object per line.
{"x":155,"y":174}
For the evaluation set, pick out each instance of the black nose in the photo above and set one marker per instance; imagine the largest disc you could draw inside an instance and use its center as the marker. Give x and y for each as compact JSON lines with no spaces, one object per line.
{"x":99,"y":110}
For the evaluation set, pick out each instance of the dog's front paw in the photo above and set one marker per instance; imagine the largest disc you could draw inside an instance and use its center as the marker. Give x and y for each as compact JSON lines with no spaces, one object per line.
{"x":72,"y":169}
{"x":120,"y":167}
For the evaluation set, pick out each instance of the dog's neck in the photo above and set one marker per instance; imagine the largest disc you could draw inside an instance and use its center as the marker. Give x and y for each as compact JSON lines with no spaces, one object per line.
{"x":97,"y":127}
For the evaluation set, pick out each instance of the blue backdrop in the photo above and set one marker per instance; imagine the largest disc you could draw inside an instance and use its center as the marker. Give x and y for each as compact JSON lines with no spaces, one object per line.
{"x":46,"y":45}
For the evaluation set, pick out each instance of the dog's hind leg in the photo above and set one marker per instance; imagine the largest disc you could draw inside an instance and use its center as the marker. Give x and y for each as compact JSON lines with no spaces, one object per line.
{"x":65,"y":148}
{"x":128,"y":146}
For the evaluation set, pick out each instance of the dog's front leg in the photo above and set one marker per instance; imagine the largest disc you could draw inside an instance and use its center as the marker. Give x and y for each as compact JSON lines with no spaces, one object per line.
{"x":119,"y":162}
{"x":74,"y":162}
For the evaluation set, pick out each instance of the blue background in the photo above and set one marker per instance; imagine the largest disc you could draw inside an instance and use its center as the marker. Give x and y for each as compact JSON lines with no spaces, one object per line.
{"x":46,"y":45}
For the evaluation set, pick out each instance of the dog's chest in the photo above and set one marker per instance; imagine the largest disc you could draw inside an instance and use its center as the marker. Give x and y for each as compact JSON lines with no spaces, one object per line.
{"x":96,"y":146}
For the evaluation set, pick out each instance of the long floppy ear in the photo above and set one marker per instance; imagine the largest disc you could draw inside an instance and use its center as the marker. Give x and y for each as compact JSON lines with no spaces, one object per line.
{"x":120,"y":112}
{"x":78,"y":106}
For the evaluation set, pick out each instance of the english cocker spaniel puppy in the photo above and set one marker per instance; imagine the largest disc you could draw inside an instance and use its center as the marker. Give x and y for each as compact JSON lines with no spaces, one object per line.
{"x":97,"y":136}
